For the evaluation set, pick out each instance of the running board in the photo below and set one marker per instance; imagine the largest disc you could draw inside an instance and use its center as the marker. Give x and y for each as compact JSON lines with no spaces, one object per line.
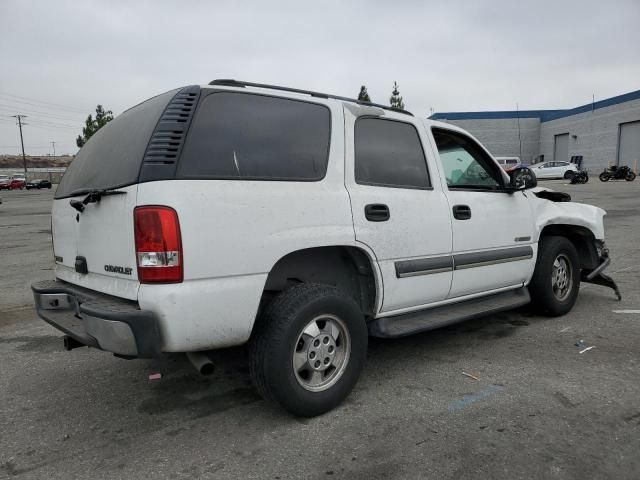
{"x":429,"y":319}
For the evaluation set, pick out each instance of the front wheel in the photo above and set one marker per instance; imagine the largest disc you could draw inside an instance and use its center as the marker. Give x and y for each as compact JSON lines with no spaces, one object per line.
{"x":308,"y":349}
{"x":630,"y":177}
{"x":556,"y":279}
{"x":604,"y":177}
{"x":568,"y":175}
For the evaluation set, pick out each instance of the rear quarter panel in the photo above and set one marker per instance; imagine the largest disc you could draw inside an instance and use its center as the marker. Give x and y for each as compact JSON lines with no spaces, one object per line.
{"x":233,"y":232}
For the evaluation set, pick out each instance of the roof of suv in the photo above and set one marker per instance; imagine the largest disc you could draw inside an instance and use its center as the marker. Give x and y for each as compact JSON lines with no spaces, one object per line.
{"x":243,"y":84}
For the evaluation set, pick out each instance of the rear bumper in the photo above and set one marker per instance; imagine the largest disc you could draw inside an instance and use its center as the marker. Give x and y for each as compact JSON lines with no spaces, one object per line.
{"x":98,"y":320}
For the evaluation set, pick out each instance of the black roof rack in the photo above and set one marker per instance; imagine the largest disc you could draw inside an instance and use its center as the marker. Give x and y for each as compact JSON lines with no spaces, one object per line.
{"x":238,"y":83}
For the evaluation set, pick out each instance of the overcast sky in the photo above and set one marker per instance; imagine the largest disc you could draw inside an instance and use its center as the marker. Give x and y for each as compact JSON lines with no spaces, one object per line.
{"x":61,"y":58}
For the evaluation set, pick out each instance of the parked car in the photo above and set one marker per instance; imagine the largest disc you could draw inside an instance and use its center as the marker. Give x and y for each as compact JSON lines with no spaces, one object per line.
{"x":299,"y":223}
{"x":40,"y":183}
{"x":555,"y":170}
{"x":11,"y":182}
{"x":508,"y":163}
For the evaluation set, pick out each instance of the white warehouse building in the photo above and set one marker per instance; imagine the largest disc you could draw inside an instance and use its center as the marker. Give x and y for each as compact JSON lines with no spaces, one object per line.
{"x":606,"y":132}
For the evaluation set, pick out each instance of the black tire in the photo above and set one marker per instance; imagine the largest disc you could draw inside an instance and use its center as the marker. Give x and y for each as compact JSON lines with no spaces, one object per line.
{"x":568,"y":175}
{"x":604,"y":177}
{"x":543,"y":297}
{"x":630,"y":177}
{"x":278,"y":333}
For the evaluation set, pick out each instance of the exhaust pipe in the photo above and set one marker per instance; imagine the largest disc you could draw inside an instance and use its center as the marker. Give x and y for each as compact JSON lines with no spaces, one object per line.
{"x":201,"y":362}
{"x":70,"y":343}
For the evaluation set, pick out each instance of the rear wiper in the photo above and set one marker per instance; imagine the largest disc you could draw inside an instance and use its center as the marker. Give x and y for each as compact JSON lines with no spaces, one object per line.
{"x":93,"y":196}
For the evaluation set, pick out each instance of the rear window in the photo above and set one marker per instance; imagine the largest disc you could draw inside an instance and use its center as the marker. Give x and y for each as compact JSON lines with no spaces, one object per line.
{"x":389,"y":153}
{"x":112,"y":157}
{"x":257,"y":137}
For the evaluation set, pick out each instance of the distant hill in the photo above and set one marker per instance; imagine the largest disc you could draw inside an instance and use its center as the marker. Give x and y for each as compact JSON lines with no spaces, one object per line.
{"x":15,"y":161}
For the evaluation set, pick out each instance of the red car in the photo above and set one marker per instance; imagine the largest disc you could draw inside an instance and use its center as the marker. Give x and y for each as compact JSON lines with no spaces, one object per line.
{"x":12,"y":183}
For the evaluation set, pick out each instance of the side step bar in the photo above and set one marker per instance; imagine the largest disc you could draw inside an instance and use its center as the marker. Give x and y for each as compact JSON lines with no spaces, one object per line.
{"x":429,"y":319}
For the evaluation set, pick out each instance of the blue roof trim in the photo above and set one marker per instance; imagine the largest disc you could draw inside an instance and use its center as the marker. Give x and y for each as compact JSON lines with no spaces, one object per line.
{"x":543,"y":115}
{"x":504,"y":114}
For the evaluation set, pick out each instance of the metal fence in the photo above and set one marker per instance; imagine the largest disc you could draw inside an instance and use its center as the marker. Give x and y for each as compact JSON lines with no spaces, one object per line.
{"x":53,"y":174}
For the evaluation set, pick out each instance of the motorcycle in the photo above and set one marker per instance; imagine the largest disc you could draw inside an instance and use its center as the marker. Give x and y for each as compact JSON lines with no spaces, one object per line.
{"x":617,"y":173}
{"x":579,"y":177}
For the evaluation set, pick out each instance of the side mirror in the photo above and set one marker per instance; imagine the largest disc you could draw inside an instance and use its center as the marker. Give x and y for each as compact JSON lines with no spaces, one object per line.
{"x":522,"y":178}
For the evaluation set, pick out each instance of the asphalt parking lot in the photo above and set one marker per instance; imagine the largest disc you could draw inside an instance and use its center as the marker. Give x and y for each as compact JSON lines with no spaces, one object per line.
{"x":539,"y":408}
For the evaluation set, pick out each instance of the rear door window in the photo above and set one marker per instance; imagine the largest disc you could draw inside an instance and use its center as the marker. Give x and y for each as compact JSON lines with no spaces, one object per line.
{"x":389,"y":153}
{"x":241,"y":136}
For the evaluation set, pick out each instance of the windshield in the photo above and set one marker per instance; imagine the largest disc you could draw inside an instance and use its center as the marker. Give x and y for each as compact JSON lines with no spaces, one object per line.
{"x":112,"y":157}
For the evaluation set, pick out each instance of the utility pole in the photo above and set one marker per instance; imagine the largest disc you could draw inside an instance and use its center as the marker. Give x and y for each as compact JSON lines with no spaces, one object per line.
{"x":53,"y":144}
{"x":519,"y":135}
{"x":24,"y":159}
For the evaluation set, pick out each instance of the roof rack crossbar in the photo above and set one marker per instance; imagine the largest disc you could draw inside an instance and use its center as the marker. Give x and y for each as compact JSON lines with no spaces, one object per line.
{"x":239,"y":83}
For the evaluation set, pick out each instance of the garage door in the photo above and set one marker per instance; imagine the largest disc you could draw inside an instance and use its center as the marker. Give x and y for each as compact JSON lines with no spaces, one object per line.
{"x":561,"y":150}
{"x":629,"y":147}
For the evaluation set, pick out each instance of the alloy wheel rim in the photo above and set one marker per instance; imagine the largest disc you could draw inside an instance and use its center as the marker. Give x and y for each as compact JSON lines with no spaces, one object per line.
{"x":321,"y":353}
{"x":561,"y":277}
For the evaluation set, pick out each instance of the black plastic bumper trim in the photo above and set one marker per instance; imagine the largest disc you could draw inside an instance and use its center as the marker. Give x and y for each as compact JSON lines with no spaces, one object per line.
{"x":143,"y":324}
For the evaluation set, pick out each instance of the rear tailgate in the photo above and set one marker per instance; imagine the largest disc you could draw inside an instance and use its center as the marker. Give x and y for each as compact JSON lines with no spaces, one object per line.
{"x":95,"y":246}
{"x":102,"y":236}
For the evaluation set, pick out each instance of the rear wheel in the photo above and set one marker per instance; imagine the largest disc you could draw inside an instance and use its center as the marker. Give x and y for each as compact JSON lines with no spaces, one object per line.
{"x":630,"y":177}
{"x":568,"y":174}
{"x":556,"y":280}
{"x":604,"y":177}
{"x":308,"y":349}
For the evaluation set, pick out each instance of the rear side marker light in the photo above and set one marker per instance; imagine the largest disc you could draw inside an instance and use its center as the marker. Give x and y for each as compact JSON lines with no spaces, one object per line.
{"x":158,"y":244}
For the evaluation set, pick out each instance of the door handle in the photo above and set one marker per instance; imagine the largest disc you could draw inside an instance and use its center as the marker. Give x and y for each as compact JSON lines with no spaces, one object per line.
{"x":377,"y":212}
{"x":461,"y":212}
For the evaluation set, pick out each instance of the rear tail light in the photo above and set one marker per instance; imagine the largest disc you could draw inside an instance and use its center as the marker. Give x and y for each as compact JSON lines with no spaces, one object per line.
{"x":158,"y":245}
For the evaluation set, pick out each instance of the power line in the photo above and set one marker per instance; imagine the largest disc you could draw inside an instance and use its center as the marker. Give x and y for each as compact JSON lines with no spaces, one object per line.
{"x":42,"y":122}
{"x":54,"y":124}
{"x":34,"y":101}
{"x":34,"y":146}
{"x":32,"y":111}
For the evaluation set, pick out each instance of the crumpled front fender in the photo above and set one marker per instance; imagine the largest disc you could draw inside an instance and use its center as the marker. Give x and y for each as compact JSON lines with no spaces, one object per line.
{"x":546,"y":213}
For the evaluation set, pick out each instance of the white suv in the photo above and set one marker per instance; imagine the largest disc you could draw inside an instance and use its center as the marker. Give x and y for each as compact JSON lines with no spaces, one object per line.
{"x":299,"y":222}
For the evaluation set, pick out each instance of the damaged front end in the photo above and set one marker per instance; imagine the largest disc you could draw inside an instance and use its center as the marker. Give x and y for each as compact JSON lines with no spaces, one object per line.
{"x":597,"y":275}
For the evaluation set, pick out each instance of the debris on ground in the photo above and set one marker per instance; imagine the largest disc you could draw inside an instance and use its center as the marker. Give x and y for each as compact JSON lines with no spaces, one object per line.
{"x":470,"y":376}
{"x":155,"y":376}
{"x":565,"y":329}
{"x":587,"y":349}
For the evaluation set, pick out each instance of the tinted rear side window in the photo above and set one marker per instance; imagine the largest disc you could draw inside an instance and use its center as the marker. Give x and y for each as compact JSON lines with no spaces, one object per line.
{"x":112,"y":157}
{"x":246,"y":136}
{"x":389,"y":154}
